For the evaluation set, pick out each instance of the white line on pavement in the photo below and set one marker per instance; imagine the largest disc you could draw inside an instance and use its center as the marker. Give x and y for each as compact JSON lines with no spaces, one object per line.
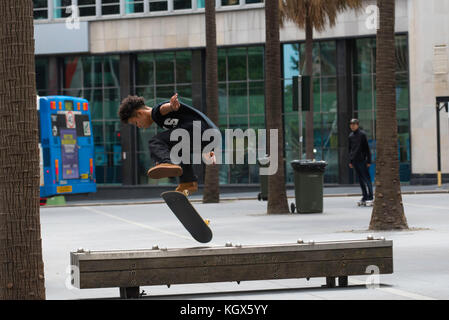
{"x":136,"y":223}
{"x":398,"y":292}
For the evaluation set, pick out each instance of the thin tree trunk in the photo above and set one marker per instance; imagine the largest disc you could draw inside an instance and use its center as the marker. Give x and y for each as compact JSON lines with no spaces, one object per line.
{"x":21,"y":264}
{"x":277,"y":196}
{"x":388,"y":211}
{"x":211,"y":192}
{"x":309,"y":72}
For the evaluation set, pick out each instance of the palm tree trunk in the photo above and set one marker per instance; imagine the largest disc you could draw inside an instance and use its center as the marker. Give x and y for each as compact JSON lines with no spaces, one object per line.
{"x":277,"y":196}
{"x":21,"y":264}
{"x":309,"y":72}
{"x":388,"y":211}
{"x":211,"y":192}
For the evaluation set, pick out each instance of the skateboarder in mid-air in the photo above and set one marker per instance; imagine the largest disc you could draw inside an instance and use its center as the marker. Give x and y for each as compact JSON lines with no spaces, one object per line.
{"x":360,"y":160}
{"x":169,"y":115}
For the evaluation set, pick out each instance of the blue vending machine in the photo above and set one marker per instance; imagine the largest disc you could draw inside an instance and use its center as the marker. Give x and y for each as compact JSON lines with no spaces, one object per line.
{"x":66,"y":146}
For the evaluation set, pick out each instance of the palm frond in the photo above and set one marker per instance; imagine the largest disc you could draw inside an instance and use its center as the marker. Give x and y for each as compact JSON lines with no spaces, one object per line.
{"x":322,"y":13}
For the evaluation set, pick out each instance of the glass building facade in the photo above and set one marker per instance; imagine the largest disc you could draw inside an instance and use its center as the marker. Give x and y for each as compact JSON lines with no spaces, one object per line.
{"x":97,"y":79}
{"x":157,"y":75}
{"x":241,"y":102}
{"x":364,"y":80}
{"x":325,"y":106}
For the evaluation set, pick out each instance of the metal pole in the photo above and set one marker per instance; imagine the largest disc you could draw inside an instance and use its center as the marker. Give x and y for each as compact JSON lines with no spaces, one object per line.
{"x":300,"y":116}
{"x":438,"y":145}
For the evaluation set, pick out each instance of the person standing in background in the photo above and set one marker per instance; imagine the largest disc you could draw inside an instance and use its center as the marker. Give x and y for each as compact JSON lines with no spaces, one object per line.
{"x":360,"y":160}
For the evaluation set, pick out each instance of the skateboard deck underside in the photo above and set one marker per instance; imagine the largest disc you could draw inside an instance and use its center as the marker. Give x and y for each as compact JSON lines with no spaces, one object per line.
{"x":187,"y":215}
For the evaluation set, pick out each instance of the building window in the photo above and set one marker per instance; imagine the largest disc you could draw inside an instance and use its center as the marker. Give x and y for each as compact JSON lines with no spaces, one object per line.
{"x":60,"y":8}
{"x":182,"y":4}
{"x":364,"y":84}
{"x":86,"y":8}
{"x":40,"y":10}
{"x":96,"y":78}
{"x":156,"y":5}
{"x":133,"y":6}
{"x":42,"y":71}
{"x":241,"y":102}
{"x":253,"y":1}
{"x":325,"y":106}
{"x":230,"y":2}
{"x":157,"y":78}
{"x":109,"y":7}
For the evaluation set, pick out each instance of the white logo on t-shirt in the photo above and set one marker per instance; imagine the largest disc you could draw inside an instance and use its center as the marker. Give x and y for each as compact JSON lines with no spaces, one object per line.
{"x":170,"y":122}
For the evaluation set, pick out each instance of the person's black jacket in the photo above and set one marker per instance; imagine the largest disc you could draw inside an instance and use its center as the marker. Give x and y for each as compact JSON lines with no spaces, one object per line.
{"x":358,"y":147}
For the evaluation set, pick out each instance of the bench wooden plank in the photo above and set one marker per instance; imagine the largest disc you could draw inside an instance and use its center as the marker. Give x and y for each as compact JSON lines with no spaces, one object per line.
{"x":235,"y":259}
{"x":205,"y":274}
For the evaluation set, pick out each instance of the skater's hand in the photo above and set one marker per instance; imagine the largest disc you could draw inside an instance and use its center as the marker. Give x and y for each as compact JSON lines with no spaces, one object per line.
{"x":368,"y":165}
{"x":350,"y":165}
{"x":174,"y":103}
{"x":210,"y":158}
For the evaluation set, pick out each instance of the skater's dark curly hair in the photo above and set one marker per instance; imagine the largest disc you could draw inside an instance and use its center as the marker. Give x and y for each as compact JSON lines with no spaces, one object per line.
{"x":129,"y":106}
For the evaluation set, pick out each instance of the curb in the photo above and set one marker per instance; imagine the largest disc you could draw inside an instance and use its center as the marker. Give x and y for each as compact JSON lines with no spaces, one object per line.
{"x":335,"y":195}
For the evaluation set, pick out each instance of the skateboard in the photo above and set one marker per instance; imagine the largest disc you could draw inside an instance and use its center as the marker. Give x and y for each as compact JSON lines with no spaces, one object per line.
{"x":188,"y":216}
{"x":368,"y":203}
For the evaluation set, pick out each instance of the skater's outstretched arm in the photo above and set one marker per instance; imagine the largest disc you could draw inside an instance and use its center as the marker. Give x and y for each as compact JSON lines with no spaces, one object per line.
{"x":171,"y":106}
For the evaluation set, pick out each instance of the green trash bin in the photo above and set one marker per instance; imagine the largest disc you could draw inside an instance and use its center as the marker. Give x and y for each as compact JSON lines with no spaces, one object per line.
{"x":263,"y":194}
{"x":308,"y":177}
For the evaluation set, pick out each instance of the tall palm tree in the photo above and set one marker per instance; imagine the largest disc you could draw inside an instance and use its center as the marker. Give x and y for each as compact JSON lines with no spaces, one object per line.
{"x":313,"y":15}
{"x":21,"y":264}
{"x":388,"y":211}
{"x":277,"y":195}
{"x":211,"y":192}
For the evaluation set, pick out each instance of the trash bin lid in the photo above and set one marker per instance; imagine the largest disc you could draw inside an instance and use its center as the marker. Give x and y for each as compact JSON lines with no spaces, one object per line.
{"x":308,"y":165}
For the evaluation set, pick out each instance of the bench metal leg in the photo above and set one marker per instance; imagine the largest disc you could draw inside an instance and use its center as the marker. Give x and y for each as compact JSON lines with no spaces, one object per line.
{"x":343,"y":281}
{"x":330,"y":282}
{"x":130,"y":292}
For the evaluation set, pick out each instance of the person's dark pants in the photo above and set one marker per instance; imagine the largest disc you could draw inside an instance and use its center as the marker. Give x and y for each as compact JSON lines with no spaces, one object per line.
{"x":364,"y":179}
{"x":160,"y":146}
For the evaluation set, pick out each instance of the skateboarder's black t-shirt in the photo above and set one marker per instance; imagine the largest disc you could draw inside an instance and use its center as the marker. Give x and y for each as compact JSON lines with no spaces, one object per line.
{"x":182,"y":118}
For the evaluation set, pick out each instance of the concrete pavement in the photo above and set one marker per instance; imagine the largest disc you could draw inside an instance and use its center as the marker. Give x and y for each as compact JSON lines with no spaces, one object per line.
{"x":421,"y":254}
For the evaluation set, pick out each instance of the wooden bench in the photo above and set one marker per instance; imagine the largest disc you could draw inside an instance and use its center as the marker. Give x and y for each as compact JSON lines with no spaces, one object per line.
{"x":130,"y":269}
